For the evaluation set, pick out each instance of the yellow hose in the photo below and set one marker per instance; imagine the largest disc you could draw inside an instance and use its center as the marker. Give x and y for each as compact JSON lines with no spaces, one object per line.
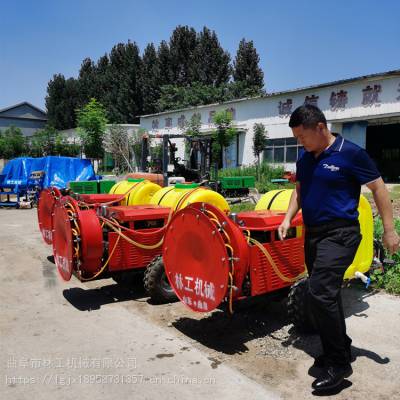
{"x":274,"y":266}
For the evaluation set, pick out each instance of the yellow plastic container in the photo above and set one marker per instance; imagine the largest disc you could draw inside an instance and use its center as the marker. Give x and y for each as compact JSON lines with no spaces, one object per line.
{"x":181,"y":195}
{"x":278,"y":200}
{"x":142,"y":192}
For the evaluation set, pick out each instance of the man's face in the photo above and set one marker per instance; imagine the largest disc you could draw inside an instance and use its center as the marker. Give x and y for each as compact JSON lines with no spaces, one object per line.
{"x":309,"y":138}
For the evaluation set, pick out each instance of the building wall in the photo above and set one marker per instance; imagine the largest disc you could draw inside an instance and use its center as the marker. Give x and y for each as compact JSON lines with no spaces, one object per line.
{"x":27,"y":126}
{"x":24,"y":116}
{"x":366,"y":99}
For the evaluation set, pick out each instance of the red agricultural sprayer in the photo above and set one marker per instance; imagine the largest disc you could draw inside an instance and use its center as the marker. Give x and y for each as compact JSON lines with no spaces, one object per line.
{"x":211,"y":258}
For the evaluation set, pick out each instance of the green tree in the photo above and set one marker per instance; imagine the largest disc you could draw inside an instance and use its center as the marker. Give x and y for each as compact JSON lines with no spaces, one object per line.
{"x":102,"y":81}
{"x":246,"y":68}
{"x":61,"y":102}
{"x":42,"y":143}
{"x":92,"y":123}
{"x":150,"y":79}
{"x":125,"y":94}
{"x":164,"y":63}
{"x":49,"y":142}
{"x":210,"y":65}
{"x":175,"y":97}
{"x":12,"y":143}
{"x":182,"y":45}
{"x":259,"y":142}
{"x":87,"y":81}
{"x":223,"y":135}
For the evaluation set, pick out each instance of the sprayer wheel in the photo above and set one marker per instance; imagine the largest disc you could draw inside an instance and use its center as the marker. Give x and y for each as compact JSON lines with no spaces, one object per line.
{"x":299,"y":312}
{"x":156,"y":283}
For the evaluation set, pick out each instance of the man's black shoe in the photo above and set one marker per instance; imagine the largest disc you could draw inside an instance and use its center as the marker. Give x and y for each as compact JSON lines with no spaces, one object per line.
{"x":331,"y":377}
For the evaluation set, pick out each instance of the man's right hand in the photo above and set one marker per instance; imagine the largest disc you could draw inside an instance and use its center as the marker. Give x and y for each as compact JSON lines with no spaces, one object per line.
{"x":283,"y":228}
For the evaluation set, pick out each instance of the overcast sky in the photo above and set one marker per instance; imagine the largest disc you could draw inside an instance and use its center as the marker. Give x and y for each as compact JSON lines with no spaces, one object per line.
{"x":300,"y":43}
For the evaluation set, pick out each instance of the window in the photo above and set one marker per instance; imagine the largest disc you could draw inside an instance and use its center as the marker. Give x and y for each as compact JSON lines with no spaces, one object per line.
{"x":284,"y":150}
{"x":168,"y":122}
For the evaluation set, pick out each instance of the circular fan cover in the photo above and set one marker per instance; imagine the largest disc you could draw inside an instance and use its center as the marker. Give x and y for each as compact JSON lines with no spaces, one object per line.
{"x":62,"y":241}
{"x":196,"y":260}
{"x":48,"y":198}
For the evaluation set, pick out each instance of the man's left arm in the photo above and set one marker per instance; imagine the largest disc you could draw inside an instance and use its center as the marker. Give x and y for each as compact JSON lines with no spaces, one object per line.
{"x":381,"y":195}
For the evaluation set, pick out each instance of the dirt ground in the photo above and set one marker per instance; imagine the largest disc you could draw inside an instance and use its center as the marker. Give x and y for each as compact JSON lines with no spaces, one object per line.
{"x":256,"y":342}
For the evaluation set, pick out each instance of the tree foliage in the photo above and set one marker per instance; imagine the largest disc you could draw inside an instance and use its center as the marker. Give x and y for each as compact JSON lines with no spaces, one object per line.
{"x":259,"y":142}
{"x":12,"y":143}
{"x":210,"y":64}
{"x":182,"y":45}
{"x":188,"y":69}
{"x":49,"y":142}
{"x":124,"y":97}
{"x":151,"y":79}
{"x":246,"y":68}
{"x":223,"y":135}
{"x":61,"y":101}
{"x":92,"y":122}
{"x":259,"y":139}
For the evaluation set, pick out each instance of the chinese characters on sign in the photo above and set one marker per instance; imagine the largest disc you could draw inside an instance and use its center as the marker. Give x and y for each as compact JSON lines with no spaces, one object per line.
{"x":371,"y":95}
{"x":313,"y":100}
{"x":338,"y":100}
{"x":154,"y":124}
{"x":199,"y":288}
{"x":285,"y":107}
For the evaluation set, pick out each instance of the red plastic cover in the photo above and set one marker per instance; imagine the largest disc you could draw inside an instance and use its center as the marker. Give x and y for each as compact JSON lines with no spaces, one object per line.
{"x":47,"y":200}
{"x":62,"y":241}
{"x":196,"y":260}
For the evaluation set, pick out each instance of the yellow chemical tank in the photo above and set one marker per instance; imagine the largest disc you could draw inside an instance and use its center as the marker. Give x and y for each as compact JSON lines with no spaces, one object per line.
{"x":141,"y":192}
{"x":182,"y":194}
{"x":279,"y":200}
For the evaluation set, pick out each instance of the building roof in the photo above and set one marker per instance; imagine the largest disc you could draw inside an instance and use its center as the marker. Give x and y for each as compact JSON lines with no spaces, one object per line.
{"x":272,"y":94}
{"x":24,"y":103}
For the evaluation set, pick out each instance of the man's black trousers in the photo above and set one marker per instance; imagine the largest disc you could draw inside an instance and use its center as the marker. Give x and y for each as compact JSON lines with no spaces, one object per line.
{"x":329,"y":250}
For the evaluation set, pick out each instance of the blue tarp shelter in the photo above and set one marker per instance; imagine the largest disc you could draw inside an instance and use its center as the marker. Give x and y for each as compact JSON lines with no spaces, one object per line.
{"x":58,"y":171}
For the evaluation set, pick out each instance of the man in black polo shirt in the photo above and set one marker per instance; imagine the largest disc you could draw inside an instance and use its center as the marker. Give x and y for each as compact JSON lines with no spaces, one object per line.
{"x":329,"y":174}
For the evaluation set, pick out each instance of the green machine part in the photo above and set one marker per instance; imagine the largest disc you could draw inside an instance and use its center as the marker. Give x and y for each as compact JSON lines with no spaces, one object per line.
{"x":91,"y":187}
{"x":237,"y":182}
{"x":105,"y":186}
{"x":84,"y":187}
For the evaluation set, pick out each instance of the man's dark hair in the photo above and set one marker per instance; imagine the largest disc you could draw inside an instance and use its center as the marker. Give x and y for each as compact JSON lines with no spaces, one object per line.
{"x":307,"y":115}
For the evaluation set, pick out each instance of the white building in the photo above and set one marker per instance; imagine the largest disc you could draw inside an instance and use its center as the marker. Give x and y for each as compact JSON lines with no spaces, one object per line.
{"x":365,"y":110}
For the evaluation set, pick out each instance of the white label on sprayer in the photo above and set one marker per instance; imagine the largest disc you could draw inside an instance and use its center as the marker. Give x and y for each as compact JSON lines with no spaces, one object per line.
{"x":62,"y":263}
{"x":47,"y":234}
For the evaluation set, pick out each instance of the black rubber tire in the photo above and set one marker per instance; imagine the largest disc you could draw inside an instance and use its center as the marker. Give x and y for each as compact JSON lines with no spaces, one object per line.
{"x":156,"y":283}
{"x":299,"y":312}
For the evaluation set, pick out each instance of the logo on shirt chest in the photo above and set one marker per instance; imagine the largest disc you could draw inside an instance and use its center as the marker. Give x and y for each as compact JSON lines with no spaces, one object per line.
{"x":332,"y":168}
